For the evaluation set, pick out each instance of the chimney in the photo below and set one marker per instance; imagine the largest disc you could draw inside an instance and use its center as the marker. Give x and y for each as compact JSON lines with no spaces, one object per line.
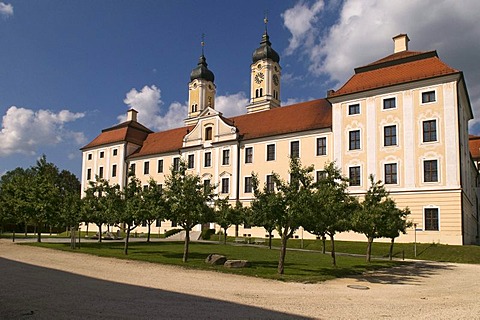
{"x":400,"y":43}
{"x":132,"y":115}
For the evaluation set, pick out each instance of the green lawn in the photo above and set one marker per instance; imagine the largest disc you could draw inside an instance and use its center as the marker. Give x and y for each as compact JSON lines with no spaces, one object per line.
{"x":300,"y":266}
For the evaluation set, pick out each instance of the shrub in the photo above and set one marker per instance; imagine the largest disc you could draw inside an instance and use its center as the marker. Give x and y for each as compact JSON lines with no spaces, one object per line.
{"x":207,"y":233}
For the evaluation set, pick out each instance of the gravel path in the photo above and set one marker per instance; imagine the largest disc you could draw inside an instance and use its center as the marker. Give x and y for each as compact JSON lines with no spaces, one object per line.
{"x":82,"y":286}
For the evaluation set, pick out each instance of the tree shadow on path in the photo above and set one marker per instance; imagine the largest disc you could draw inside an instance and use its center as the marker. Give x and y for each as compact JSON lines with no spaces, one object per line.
{"x":34,"y":292}
{"x":405,"y":274}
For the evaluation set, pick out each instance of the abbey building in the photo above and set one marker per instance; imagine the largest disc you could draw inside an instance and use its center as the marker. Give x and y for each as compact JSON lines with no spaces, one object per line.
{"x":403,"y":118}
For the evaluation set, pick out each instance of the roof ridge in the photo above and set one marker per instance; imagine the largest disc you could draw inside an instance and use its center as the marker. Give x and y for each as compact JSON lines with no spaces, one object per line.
{"x":391,"y":60}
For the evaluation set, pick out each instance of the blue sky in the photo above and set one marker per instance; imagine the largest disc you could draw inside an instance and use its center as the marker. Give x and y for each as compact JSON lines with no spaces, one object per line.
{"x":69,"y":69}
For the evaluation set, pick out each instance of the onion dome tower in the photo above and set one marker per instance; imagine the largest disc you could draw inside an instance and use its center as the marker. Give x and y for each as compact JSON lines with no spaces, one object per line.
{"x":201,"y":89}
{"x":265,"y":76}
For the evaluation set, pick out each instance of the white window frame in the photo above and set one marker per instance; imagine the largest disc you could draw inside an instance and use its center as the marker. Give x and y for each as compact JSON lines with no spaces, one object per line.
{"x":398,"y":173}
{"x":326,"y":146}
{"x":354,"y":114}
{"x":245,"y":155}
{"x":348,"y":140}
{"x":396,"y":135}
{"x":436,"y":130}
{"x":438,"y":218}
{"x":438,"y":171}
{"x":163,"y":165}
{"x":290,"y":147}
{"x":425,"y":91}
{"x":229,"y":157}
{"x":361,"y":175}
{"x":266,"y":151}
{"x":387,"y":98}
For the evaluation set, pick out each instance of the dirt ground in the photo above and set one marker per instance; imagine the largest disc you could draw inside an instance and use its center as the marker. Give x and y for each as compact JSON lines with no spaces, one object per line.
{"x":422,"y":290}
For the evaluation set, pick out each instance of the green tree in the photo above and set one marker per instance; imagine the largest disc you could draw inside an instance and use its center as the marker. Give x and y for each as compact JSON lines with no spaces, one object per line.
{"x":134,"y":206}
{"x":187,"y":201}
{"x":155,"y":205}
{"x":95,"y":204}
{"x":331,"y":208}
{"x":264,"y":208}
{"x":226,"y":215}
{"x":393,"y":223}
{"x":374,"y":217}
{"x":70,"y":208}
{"x":44,"y":195}
{"x":294,"y":196}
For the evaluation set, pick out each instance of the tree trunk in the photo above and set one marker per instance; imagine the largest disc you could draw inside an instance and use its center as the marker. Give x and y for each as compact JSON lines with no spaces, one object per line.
{"x":369,"y":248}
{"x":270,"y":239}
{"x":334,"y":259}
{"x":236,"y":230}
{"x":390,"y":254}
{"x":99,"y":232}
{"x":39,"y":235}
{"x":224,"y":235}
{"x":26,"y":228}
{"x":187,"y":242}
{"x":148,"y":235}
{"x":324,"y":241}
{"x":125,"y":249}
{"x":283,"y":252}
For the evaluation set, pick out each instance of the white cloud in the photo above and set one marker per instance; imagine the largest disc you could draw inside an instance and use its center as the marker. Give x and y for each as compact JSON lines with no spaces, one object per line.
{"x":24,"y":130}
{"x":364,"y":30}
{"x":299,"y":21}
{"x":232,"y":105}
{"x":148,"y":103}
{"x":6,"y":10}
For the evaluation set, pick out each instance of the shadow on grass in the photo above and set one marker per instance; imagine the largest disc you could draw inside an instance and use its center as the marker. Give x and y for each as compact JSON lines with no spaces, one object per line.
{"x":405,"y":273}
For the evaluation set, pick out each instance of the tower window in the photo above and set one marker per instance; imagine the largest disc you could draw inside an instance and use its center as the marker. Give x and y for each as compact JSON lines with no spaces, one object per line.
{"x":208,"y":133}
{"x":194,"y":107}
{"x":261,"y":92}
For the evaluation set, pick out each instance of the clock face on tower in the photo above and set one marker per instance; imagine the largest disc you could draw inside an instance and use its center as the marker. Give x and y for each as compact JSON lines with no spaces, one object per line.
{"x":275,"y":79}
{"x":259,"y":77}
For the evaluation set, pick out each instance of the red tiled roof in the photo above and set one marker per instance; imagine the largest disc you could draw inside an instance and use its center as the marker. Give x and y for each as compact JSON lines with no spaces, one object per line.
{"x":395,"y":69}
{"x":298,"y":117}
{"x":304,"y":116}
{"x":474,"y":145}
{"x":161,"y":142}
{"x":129,"y":131}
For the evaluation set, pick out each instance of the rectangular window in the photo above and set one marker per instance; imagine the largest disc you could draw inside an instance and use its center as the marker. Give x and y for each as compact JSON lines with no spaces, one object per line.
{"x":391,"y":173}
{"x":270,"y":152}
{"x":89,"y":156}
{"x":430,"y":171}
{"x":389,"y":103}
{"x":208,"y":133}
{"x":390,"y":136}
{"x":321,"y":175}
{"x":206,"y":186}
{"x":321,"y":146}
{"x":132,"y":168}
{"x":89,"y":174}
{"x":114,"y":170}
{"x":176,"y":164}
{"x":191,"y":161}
{"x":100,"y":172}
{"x":354,"y":140}
{"x":158,"y":223}
{"x":225,"y":185}
{"x":102,"y":154}
{"x":249,"y":155}
{"x":270,"y":183}
{"x":431,"y":219}
{"x":428,"y":96}
{"x":354,"y":109}
{"x":226,"y":157}
{"x":160,"y":166}
{"x":248,"y":184}
{"x":354,"y":176}
{"x":295,"y":149}
{"x":208,"y":159}
{"x":429,"y":130}
{"x":146,"y":167}
{"x":115,"y":152}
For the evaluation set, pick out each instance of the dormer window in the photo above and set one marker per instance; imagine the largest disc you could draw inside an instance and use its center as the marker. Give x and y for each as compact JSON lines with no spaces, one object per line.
{"x":208,"y":133}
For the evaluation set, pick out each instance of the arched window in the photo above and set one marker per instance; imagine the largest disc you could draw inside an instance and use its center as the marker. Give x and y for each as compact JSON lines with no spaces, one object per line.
{"x":261,"y":92}
{"x":208,"y":133}
{"x":256,"y":93}
{"x":194,"y":107}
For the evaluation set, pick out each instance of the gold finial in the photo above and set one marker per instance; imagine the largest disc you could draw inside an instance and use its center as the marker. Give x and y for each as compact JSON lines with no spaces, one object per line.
{"x":203,"y":42}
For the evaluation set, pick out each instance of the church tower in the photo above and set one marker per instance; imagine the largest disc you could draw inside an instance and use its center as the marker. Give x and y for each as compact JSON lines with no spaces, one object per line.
{"x":265,"y":76}
{"x":201,"y":90}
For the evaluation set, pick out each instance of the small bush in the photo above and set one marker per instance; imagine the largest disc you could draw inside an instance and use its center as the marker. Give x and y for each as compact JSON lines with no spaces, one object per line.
{"x":172,"y":232}
{"x":207,"y":233}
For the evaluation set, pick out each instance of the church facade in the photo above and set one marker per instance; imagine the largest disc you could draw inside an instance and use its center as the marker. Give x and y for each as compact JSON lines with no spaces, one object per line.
{"x":403,"y":118}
